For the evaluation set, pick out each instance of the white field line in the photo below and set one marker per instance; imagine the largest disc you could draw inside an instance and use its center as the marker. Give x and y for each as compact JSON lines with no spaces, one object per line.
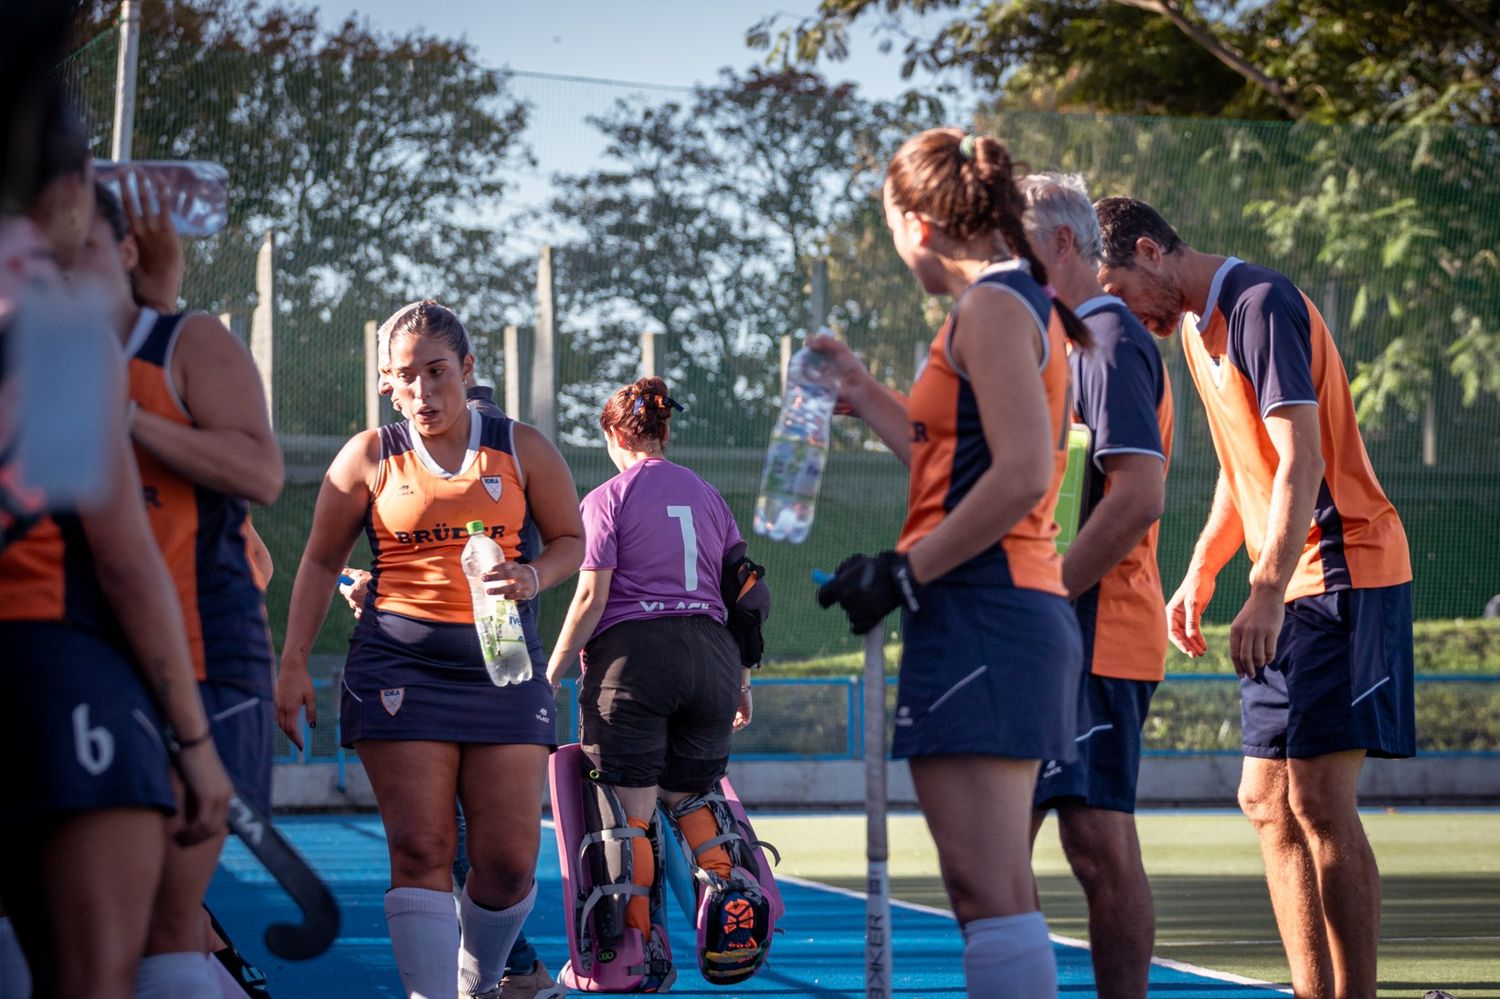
{"x":1192,"y":969}
{"x":1277,"y":943}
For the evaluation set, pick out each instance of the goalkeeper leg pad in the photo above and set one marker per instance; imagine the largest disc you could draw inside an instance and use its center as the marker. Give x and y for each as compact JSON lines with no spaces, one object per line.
{"x":738,"y":903}
{"x":598,"y":855}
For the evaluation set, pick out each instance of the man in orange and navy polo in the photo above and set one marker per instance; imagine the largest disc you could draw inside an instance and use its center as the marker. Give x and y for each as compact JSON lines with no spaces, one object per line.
{"x":1323,"y":643}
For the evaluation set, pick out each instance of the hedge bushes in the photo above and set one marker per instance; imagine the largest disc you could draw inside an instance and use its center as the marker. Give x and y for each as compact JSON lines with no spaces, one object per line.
{"x":1463,"y":646}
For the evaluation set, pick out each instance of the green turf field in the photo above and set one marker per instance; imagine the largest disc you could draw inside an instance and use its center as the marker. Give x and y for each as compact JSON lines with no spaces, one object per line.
{"x":1440,"y":872}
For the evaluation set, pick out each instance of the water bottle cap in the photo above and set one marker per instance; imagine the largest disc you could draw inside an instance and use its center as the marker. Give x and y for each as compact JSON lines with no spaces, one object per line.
{"x":475,"y":526}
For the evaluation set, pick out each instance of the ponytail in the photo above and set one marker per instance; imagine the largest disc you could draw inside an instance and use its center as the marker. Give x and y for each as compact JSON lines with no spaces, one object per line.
{"x":640,"y":411}
{"x":1014,"y":233}
{"x":966,"y":184}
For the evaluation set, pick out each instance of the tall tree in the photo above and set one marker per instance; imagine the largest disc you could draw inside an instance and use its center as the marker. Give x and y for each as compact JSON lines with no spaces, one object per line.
{"x":379,"y":161}
{"x":703,"y":224}
{"x":1379,"y":219}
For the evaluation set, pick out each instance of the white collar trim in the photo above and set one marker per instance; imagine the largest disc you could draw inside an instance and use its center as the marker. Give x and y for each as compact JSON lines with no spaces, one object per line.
{"x":1013,"y":264}
{"x":432,"y":466}
{"x":1200,"y":323}
{"x":1096,"y":303}
{"x":143,"y":326}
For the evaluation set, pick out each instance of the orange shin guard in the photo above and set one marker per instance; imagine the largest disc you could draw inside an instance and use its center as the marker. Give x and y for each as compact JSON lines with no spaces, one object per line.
{"x":643,"y":871}
{"x":698,"y":827}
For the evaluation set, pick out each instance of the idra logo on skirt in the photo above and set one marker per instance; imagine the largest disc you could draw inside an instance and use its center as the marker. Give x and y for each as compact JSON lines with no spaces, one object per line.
{"x":391,"y":699}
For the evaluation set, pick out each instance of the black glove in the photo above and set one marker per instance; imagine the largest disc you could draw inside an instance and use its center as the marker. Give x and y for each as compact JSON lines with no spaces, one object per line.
{"x":869,"y":587}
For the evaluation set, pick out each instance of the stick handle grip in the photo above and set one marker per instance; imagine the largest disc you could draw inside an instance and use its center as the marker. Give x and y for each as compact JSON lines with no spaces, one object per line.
{"x":877,"y":848}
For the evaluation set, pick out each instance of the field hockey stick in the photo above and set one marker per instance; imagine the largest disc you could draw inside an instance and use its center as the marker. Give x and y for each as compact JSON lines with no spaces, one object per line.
{"x":320,"y":913}
{"x":877,"y":850}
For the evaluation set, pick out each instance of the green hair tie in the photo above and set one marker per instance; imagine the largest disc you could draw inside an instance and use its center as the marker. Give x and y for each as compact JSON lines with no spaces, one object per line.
{"x":966,"y":146}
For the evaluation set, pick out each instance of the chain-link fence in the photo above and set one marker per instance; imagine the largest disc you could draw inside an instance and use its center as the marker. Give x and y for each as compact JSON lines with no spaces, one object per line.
{"x":707,"y":216}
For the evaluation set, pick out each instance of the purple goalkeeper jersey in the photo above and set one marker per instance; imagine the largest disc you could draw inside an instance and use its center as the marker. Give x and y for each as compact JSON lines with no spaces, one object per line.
{"x":663,"y":531}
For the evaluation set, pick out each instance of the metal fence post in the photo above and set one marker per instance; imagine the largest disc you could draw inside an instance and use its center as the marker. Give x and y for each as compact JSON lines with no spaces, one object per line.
{"x":130,"y":35}
{"x":817,"y":316}
{"x":512,"y":366}
{"x":544,"y":351}
{"x":372,"y":375}
{"x":263,"y":321}
{"x":648,"y":354}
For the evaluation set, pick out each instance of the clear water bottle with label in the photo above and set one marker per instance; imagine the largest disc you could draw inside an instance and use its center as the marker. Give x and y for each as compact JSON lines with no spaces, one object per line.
{"x":798,"y":450}
{"x":197,"y":194}
{"x":497,"y":619}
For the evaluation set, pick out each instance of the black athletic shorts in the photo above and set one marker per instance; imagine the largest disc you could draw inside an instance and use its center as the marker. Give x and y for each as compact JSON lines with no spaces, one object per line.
{"x":657,"y":702}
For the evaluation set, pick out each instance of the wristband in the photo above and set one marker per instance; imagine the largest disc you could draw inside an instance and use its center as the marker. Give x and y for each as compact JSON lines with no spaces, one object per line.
{"x":181,"y":744}
{"x":536,"y":578}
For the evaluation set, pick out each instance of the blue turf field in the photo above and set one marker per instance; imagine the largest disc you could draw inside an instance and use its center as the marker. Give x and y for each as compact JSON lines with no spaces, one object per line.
{"x":819,"y":955}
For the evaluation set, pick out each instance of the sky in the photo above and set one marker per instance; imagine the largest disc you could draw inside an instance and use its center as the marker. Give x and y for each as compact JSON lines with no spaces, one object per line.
{"x":669,"y":42}
{"x":645,"y":44}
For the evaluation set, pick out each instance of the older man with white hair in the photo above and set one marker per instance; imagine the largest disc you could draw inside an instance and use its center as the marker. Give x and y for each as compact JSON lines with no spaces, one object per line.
{"x":1122,"y":395}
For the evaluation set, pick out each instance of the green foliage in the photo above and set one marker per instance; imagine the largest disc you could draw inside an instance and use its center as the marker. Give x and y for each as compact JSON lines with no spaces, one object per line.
{"x":1398,"y":217}
{"x":368,"y":155}
{"x":703,"y":224}
{"x":1459,"y":647}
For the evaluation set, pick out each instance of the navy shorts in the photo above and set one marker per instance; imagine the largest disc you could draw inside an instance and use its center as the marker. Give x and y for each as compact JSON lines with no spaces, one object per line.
{"x":1111,"y":715}
{"x":988,"y":670}
{"x":423,"y":680}
{"x":244,"y":725}
{"x":82,"y":735}
{"x":1341,"y":679}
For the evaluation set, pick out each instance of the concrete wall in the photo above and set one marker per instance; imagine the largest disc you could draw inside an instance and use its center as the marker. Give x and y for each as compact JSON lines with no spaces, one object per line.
{"x":1203,"y":780}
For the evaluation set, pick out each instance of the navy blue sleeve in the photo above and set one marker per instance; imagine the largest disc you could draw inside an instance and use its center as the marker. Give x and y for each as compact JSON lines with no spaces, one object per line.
{"x":1119,"y":385}
{"x":1270,"y":340}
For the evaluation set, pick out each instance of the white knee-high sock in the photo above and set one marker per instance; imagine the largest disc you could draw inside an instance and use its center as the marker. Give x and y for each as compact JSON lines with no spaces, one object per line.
{"x":172,"y":976}
{"x":15,"y":974}
{"x":1009,"y":957}
{"x":424,"y":936}
{"x":488,"y":936}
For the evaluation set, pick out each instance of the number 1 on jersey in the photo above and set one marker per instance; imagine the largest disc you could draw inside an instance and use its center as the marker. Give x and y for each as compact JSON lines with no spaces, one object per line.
{"x":684,"y":517}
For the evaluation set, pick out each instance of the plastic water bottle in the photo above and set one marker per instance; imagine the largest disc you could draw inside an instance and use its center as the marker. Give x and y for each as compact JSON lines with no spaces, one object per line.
{"x":197,"y":193}
{"x":798,"y":450}
{"x":497,"y":619}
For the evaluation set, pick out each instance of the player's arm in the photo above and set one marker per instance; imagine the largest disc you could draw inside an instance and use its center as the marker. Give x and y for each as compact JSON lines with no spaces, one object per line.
{"x":995,"y":344}
{"x":883,"y":409}
{"x":1221,"y":537}
{"x":583,"y":617}
{"x":552,"y":501}
{"x":1119,"y":386}
{"x":1271,"y":345}
{"x":229,"y":446}
{"x":134,"y":579}
{"x":1295,"y":434}
{"x":337,"y":517}
{"x":1133,"y":501}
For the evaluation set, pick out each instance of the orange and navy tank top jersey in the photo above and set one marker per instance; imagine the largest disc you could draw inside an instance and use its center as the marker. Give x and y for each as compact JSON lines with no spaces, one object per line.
{"x":1123,"y":396}
{"x":202,"y":533}
{"x":47,"y":569}
{"x":47,"y":574}
{"x":949,"y":451}
{"x":1263,"y":345}
{"x":418,"y":512}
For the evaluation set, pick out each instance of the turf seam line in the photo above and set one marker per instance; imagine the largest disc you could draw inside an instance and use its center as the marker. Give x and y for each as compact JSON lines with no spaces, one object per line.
{"x":1191,"y":969}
